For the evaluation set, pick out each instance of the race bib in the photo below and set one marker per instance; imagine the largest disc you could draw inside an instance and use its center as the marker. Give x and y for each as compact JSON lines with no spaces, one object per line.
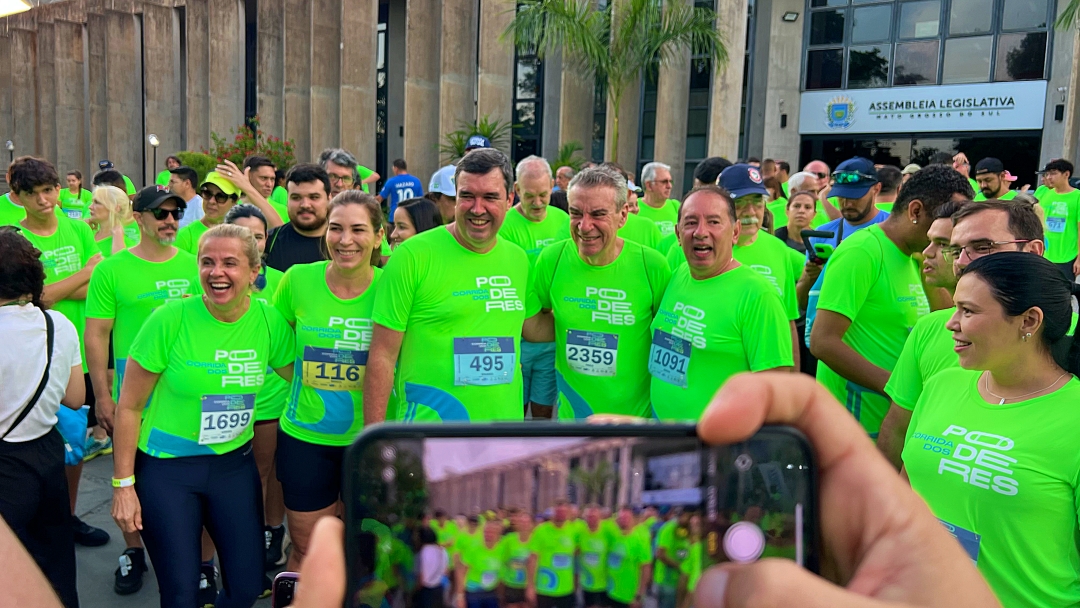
{"x":614,"y":560}
{"x":75,"y":214}
{"x":968,"y":540}
{"x":483,"y":361}
{"x":1055,"y":224}
{"x":488,"y":579}
{"x":592,"y":353}
{"x":669,"y":358}
{"x":331,"y":369}
{"x":681,"y":554}
{"x":560,"y":560}
{"x":591,"y":559}
{"x":225,"y":417}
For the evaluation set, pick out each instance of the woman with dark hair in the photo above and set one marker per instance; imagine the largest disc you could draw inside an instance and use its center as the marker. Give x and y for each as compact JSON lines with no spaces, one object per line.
{"x":40,"y":370}
{"x":801,"y":208}
{"x":992,"y":446}
{"x":412,"y":217}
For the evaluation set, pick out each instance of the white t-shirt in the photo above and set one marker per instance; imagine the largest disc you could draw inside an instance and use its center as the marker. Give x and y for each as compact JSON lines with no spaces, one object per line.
{"x":22,"y":363}
{"x":192,"y":212}
{"x":432,"y":564}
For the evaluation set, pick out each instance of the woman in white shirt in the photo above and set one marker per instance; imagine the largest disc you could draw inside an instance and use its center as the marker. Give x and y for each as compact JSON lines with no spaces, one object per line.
{"x":33,"y":489}
{"x":432,"y":564}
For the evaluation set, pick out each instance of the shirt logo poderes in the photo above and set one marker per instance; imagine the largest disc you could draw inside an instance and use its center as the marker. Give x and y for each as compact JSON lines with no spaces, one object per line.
{"x":62,"y":259}
{"x":978,"y":458}
{"x":351,"y":334}
{"x":687,"y":323}
{"x":497,"y":293}
{"x":608,"y":305}
{"x":240,"y":368}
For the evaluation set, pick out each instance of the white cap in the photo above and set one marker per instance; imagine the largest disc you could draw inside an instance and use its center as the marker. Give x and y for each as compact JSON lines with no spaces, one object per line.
{"x":442,"y":181}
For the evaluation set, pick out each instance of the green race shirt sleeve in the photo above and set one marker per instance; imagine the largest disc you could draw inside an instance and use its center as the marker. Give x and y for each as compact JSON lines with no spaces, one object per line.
{"x":849,"y":274}
{"x":282,"y":338}
{"x":766,"y":334}
{"x":101,"y":294}
{"x":283,"y":298}
{"x":398,"y":286}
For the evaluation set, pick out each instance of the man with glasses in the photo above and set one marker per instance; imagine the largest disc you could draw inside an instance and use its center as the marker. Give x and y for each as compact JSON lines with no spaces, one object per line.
{"x":990,"y":175}
{"x":827,"y":209}
{"x":873,"y":294}
{"x":300,"y":240}
{"x":123,"y":291}
{"x":1061,"y":207}
{"x":663,"y":211}
{"x":340,"y":166}
{"x":218,"y":196}
{"x":182,"y":183}
{"x":959,"y":236}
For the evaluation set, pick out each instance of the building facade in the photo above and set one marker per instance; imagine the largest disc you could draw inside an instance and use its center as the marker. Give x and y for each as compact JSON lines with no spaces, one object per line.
{"x":895,"y":80}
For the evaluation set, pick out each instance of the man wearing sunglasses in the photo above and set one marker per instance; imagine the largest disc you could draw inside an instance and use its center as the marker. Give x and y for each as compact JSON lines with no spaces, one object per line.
{"x":218,"y":196}
{"x":974,"y":231}
{"x":122,"y":294}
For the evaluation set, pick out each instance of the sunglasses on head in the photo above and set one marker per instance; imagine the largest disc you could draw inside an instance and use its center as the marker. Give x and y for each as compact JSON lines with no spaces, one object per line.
{"x":160,"y":214}
{"x":220,"y":197}
{"x":851,"y":177}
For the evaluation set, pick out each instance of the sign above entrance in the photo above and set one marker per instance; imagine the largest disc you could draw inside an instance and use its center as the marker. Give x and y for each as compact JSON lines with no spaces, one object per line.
{"x":995,"y":106}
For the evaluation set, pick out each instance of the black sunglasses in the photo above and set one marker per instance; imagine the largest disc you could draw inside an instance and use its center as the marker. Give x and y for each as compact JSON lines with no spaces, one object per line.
{"x":220,"y":197}
{"x":160,"y":214}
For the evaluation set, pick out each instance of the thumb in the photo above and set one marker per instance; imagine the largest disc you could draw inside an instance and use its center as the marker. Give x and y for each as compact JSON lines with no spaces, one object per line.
{"x":773,"y":583}
{"x":322,"y":575}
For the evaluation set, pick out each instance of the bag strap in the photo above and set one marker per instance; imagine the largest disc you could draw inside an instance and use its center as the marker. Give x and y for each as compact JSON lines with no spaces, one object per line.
{"x":44,"y":377}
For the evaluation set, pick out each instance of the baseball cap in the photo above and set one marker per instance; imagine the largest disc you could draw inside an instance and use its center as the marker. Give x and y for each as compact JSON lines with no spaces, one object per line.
{"x":105,"y":165}
{"x":742,"y":179}
{"x":911,"y":169}
{"x":853,"y":178}
{"x":477,"y":141}
{"x":152,"y":197}
{"x":632,"y":187}
{"x":442,"y":181}
{"x":1009,"y":177}
{"x":989,"y":165}
{"x":226,"y":186}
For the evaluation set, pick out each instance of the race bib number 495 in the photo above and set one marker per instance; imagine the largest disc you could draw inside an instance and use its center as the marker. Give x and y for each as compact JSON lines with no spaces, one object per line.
{"x":483,"y":361}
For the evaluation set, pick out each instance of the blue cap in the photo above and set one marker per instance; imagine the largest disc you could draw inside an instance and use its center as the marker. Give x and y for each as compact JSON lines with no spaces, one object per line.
{"x":857,"y":189}
{"x":742,"y":179}
{"x":477,"y":141}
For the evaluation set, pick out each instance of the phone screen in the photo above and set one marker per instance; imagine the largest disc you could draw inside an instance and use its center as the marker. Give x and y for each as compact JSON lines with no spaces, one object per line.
{"x":428,"y":518}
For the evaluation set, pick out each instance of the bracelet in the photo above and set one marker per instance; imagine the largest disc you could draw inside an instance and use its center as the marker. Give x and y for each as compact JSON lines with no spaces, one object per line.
{"x":126,"y":482}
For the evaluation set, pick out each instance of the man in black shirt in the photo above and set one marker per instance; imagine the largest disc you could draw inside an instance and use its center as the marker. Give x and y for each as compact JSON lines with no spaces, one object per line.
{"x":299,"y":241}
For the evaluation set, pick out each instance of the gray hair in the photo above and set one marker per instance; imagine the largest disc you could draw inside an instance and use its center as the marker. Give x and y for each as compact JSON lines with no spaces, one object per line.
{"x":648,"y":172}
{"x":568,"y":170}
{"x":340,"y":157}
{"x":602,"y":177}
{"x":481,"y":161}
{"x":527,"y":166}
{"x":795,"y":182}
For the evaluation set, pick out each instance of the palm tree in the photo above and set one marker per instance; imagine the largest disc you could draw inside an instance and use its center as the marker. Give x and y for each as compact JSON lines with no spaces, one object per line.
{"x":1068,"y":16}
{"x":618,"y":41}
{"x":568,"y":156}
{"x":594,"y":480}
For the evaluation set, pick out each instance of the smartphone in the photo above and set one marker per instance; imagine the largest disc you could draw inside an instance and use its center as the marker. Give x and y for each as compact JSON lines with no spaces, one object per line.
{"x":821,"y":251}
{"x":410,"y":490}
{"x":284,"y":589}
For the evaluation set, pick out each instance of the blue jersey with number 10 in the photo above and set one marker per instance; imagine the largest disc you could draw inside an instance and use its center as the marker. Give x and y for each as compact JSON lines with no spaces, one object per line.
{"x":400,"y":188}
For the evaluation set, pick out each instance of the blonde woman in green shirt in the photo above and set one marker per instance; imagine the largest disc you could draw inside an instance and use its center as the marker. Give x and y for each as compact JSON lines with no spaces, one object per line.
{"x":110,"y":211}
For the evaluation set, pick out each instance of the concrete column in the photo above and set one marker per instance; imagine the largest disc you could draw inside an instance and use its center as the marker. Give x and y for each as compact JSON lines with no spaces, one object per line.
{"x":46,"y":90}
{"x":326,"y":47}
{"x":458,"y":75}
{"x":198,"y":74}
{"x":7,"y":123}
{"x":777,"y":70}
{"x":629,"y":122}
{"x":24,"y":91}
{"x":726,"y":101}
{"x":672,"y":101}
{"x":123,"y":79}
{"x":422,"y":63}
{"x":70,"y":67}
{"x":495,"y":86}
{"x":226,"y":77}
{"x":97,"y":52}
{"x":298,"y":76}
{"x":161,"y":40}
{"x":576,"y":109}
{"x":549,"y":134}
{"x":395,"y":83}
{"x":1062,"y":139}
{"x":359,"y":89}
{"x":271,"y":66}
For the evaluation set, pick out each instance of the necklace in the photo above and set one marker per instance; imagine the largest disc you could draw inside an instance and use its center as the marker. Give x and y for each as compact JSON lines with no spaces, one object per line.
{"x":986,"y":385}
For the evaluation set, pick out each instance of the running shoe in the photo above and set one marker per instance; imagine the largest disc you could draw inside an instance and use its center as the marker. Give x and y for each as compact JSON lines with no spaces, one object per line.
{"x":207,"y":595}
{"x":87,"y":535}
{"x":130,"y":573}
{"x":97,"y":447}
{"x":277,"y":540}
{"x":268,"y":587}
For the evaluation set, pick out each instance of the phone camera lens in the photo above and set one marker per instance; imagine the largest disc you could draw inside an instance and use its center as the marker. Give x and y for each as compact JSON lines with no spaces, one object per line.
{"x":389,"y":474}
{"x":743,"y":462}
{"x":389,"y":453}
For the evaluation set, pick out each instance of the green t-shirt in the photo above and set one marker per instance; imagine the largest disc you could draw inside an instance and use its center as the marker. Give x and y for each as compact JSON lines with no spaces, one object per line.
{"x":779,"y":264}
{"x":130,"y":187}
{"x":592,"y":549}
{"x":641,"y":231}
{"x":75,"y":206}
{"x":778,"y":208}
{"x":676,"y":257}
{"x":127,"y":288}
{"x":1040,"y":191}
{"x":533,"y":237}
{"x":279,"y":200}
{"x":483,"y":564}
{"x":515,"y":557}
{"x":64,"y":253}
{"x":602,"y":318}
{"x":1062,"y":213}
{"x":665,"y":217}
{"x":333,"y":336}
{"x":927,"y":351}
{"x":163,"y":177}
{"x":627,"y":553}
{"x":11,"y":214}
{"x":462,"y":314}
{"x":270,"y":403}
{"x":700,"y":340}
{"x":446,"y":533}
{"x":363,"y":173}
{"x":974,"y":184}
{"x":872,"y":283}
{"x":820,"y":216}
{"x":676,"y":543}
{"x":188,"y":237}
{"x":105,"y":245}
{"x":210,"y":372}
{"x":668,"y":243}
{"x":691,"y":566}
{"x":1005,"y":481}
{"x":554,"y":549}
{"x":1008,"y":196}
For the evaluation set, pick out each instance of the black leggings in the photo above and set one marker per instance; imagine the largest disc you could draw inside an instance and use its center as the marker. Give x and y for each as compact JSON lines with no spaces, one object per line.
{"x":181,"y":495}
{"x":34,"y":503}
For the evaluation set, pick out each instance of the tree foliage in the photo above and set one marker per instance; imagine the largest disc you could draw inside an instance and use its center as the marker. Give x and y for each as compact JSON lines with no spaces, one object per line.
{"x":593,"y":481}
{"x":568,"y":157}
{"x":497,"y":131}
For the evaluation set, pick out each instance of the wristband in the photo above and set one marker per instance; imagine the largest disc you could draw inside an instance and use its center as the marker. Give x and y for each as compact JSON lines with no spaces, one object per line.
{"x":126,"y":482}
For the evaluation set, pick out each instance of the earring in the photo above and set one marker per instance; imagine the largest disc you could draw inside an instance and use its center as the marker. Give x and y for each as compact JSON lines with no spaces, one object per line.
{"x":915,"y":221}
{"x":1026,"y":336}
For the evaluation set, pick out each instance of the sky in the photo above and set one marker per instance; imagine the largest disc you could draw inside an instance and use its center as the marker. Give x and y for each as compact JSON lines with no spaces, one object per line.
{"x":443,"y":457}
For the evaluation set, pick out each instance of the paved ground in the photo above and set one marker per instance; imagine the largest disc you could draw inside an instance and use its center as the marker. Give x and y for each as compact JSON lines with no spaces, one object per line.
{"x":96,"y":565}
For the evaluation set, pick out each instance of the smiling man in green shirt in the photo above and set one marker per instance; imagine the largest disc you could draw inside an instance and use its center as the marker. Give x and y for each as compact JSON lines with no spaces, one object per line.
{"x":655,"y":205}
